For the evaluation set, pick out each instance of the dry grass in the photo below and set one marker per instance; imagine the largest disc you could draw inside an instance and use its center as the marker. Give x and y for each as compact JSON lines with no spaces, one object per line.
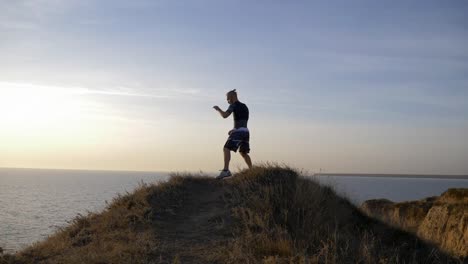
{"x":455,"y":195}
{"x":122,"y":233}
{"x":285,"y":218}
{"x":269,"y":214}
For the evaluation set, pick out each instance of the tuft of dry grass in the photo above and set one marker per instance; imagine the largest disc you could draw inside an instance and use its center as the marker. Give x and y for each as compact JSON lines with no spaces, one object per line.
{"x":268,"y":214}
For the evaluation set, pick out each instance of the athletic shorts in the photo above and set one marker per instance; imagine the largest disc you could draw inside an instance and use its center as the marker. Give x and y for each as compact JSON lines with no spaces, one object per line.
{"x":238,"y":140}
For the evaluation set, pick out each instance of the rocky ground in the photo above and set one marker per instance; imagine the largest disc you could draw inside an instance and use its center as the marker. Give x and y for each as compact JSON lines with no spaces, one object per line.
{"x":442,"y":220}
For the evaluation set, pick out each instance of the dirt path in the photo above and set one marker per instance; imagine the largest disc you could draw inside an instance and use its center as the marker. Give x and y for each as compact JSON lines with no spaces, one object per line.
{"x":194,"y":230}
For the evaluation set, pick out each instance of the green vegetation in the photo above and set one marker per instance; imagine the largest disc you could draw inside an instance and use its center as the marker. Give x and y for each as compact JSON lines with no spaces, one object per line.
{"x":269,"y":214}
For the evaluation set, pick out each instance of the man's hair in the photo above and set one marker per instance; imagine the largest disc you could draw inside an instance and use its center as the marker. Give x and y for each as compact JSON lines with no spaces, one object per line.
{"x":232,"y":92}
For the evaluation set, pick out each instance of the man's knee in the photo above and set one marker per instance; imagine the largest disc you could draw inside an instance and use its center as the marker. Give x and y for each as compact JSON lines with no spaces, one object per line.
{"x":244,"y":154}
{"x":226,"y":149}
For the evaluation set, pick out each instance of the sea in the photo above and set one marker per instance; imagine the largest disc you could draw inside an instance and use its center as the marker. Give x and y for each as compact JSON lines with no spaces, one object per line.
{"x":34,"y":203}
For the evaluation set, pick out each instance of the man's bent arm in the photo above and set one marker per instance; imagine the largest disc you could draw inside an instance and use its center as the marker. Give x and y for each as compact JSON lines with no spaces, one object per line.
{"x":224,"y":114}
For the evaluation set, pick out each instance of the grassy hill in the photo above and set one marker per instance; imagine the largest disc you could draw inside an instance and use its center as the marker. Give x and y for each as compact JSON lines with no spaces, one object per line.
{"x":269,"y":214}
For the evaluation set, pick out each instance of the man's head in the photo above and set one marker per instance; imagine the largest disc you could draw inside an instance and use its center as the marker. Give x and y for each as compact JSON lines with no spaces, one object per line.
{"x":231,"y":96}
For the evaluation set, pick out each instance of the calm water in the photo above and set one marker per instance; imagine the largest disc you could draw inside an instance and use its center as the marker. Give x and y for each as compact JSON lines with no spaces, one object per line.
{"x":358,"y":188}
{"x":33,"y":203}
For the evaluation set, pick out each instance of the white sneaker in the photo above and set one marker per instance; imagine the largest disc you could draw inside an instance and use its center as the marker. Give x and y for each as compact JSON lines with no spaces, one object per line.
{"x":224,"y":174}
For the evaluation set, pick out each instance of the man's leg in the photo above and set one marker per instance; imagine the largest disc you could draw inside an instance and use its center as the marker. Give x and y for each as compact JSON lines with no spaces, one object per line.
{"x":247,"y":159}
{"x":227,"y":158}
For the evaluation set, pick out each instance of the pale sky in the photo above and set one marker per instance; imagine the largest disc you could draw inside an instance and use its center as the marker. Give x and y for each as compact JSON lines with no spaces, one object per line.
{"x":346,"y":86}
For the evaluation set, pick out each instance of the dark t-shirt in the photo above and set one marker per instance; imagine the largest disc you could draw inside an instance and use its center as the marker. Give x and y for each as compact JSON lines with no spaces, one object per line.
{"x":241,"y":114}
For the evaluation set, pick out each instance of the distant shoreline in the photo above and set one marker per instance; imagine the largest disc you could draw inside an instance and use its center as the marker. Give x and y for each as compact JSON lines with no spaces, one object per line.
{"x":406,"y":176}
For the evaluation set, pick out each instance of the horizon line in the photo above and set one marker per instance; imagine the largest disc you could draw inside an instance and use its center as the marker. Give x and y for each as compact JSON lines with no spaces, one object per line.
{"x":355,"y":174}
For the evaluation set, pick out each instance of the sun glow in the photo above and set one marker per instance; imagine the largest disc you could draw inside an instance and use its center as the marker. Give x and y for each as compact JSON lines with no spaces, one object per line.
{"x":29,"y":106}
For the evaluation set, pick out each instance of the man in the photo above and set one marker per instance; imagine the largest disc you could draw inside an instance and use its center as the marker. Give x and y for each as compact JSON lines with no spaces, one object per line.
{"x":239,"y":135}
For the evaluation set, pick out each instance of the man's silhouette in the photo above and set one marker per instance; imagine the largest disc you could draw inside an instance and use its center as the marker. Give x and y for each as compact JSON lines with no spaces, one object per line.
{"x":239,"y":135}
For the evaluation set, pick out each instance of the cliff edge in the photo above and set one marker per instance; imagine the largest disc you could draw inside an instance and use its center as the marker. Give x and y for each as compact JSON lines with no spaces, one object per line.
{"x":442,"y":220}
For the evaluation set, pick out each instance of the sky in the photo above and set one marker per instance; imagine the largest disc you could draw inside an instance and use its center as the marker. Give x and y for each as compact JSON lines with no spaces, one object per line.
{"x":336,"y":86}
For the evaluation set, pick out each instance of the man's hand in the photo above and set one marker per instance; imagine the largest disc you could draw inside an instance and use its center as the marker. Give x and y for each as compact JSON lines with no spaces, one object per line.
{"x":217,"y":108}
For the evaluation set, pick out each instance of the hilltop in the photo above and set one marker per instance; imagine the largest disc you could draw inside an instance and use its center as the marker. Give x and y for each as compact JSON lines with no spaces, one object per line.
{"x":269,"y":214}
